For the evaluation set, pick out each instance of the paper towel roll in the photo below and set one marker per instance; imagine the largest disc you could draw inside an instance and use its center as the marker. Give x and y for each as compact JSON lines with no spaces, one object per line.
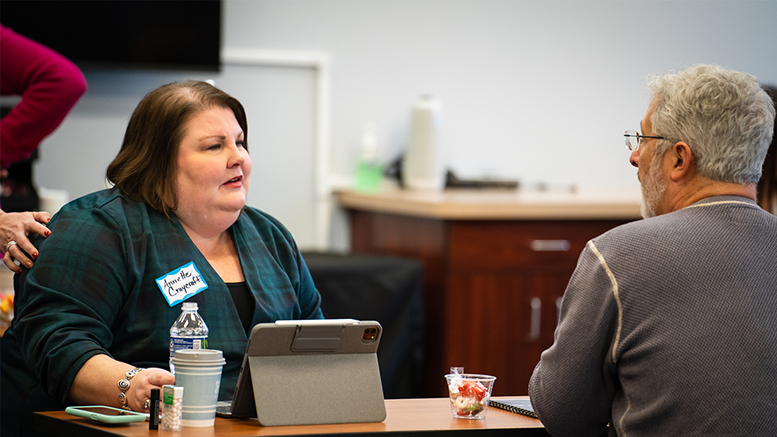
{"x":422,"y":168}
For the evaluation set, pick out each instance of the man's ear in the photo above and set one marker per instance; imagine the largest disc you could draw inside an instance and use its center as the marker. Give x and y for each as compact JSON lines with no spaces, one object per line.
{"x":681,"y":159}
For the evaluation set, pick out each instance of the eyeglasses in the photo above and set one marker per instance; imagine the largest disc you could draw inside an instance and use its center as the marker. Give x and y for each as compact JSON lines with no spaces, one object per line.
{"x":634,"y":138}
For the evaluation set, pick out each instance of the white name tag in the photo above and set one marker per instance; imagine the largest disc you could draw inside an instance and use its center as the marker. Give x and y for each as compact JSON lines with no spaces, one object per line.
{"x":181,"y":284}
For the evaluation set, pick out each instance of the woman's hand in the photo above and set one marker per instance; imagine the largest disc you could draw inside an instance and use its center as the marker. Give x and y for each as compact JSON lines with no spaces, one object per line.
{"x":97,"y":383}
{"x":14,"y":229}
{"x":142,"y":383}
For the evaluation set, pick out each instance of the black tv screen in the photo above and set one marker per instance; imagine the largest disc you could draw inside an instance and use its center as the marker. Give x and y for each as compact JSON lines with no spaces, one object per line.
{"x":126,"y":34}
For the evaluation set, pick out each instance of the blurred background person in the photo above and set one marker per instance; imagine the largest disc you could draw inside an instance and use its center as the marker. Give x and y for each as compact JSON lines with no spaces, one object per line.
{"x":49,"y":86}
{"x":767,"y":186}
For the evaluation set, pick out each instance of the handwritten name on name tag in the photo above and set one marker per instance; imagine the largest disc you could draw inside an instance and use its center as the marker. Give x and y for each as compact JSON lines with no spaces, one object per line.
{"x":181,"y":284}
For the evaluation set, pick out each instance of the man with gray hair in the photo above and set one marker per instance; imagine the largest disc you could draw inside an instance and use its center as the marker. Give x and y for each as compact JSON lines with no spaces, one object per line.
{"x":669,"y":325}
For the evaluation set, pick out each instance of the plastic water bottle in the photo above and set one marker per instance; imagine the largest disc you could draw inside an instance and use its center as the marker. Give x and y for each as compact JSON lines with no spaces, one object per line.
{"x":369,"y":172}
{"x":188,"y":332}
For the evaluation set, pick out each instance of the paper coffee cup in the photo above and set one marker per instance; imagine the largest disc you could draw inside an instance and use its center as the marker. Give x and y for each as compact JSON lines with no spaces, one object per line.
{"x":198,"y":371}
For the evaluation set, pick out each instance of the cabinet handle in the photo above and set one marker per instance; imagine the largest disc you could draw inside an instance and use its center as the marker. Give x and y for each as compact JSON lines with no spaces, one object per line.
{"x":550,"y":245}
{"x":536,"y":313}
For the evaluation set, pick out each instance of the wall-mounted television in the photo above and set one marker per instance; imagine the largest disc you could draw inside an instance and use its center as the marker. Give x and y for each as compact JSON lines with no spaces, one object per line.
{"x":123,"y":34}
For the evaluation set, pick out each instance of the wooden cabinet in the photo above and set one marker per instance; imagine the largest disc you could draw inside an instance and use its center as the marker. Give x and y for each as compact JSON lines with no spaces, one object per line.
{"x":492,"y":288}
{"x":503,"y":284}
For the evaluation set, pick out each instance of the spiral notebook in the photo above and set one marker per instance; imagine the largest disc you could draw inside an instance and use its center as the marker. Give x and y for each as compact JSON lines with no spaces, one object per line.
{"x":518,"y":406}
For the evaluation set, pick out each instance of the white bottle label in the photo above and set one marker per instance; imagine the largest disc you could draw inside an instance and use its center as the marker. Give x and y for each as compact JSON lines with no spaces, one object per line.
{"x":177,"y":343}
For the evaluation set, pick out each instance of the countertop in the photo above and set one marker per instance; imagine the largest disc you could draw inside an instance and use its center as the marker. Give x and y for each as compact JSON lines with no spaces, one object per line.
{"x":477,"y":204}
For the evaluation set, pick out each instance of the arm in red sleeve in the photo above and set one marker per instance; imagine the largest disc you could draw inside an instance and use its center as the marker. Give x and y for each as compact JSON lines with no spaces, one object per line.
{"x":49,"y":84}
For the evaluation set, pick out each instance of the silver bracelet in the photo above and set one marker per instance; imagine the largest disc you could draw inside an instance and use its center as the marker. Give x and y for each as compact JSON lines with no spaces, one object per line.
{"x":124,"y":385}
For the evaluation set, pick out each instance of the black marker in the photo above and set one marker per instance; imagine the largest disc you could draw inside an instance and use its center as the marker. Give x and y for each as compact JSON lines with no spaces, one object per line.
{"x":153,"y":417}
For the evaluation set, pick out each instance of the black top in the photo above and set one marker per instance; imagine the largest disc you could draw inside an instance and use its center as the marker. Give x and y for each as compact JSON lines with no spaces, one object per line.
{"x":244,"y":302}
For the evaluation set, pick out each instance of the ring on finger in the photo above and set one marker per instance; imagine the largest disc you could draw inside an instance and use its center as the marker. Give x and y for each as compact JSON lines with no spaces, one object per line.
{"x":10,"y":243}
{"x":146,"y":404}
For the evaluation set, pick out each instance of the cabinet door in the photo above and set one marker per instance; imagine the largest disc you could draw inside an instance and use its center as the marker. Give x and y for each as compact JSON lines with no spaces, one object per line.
{"x":500,"y":322}
{"x":505,"y":283}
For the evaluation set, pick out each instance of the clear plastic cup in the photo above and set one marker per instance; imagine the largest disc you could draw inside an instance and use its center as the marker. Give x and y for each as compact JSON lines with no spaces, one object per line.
{"x":469,"y":394}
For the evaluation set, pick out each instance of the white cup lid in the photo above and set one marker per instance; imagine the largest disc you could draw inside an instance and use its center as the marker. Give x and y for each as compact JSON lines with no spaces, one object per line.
{"x":198,"y":357}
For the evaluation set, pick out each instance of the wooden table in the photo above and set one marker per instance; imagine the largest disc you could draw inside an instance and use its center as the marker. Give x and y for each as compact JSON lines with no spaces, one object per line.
{"x":403,"y":417}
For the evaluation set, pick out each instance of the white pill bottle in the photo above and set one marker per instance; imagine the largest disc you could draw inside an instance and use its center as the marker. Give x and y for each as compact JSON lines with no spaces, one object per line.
{"x":171,"y":408}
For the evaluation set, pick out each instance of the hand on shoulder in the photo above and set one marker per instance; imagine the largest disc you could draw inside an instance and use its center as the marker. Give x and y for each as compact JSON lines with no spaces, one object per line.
{"x":15,"y":228}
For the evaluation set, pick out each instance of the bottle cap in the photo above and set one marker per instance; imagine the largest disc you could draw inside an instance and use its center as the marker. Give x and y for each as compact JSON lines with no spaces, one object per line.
{"x":189,"y":306}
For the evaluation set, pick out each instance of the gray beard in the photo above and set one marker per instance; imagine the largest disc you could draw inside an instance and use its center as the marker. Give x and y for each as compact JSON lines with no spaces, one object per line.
{"x":653,"y":189}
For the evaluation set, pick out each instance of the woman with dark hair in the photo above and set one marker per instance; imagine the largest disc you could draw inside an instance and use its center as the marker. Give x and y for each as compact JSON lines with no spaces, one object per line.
{"x":97,"y":305}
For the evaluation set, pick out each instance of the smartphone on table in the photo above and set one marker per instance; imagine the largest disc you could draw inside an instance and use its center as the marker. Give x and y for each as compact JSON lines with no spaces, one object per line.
{"x":105,"y":414}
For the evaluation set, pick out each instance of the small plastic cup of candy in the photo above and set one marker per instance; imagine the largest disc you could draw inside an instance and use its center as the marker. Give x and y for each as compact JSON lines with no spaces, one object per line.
{"x":469,"y":394}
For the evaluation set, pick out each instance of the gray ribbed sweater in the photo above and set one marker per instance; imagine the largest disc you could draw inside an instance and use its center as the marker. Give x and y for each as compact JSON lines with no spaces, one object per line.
{"x":669,"y":327}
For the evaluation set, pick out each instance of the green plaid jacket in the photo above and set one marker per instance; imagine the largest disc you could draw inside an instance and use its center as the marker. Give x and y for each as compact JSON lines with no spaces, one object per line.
{"x":93,"y":291}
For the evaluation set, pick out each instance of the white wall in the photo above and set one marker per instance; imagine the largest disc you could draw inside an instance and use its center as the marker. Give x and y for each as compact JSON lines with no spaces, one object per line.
{"x":537,"y":90}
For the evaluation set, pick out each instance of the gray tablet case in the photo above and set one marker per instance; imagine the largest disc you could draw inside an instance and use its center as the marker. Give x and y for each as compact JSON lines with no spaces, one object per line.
{"x":311,"y":372}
